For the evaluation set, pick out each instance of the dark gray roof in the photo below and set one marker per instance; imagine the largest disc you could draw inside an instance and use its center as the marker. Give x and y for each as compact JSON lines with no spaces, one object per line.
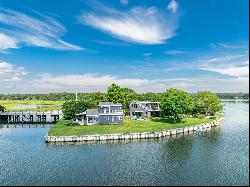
{"x":109,"y":103}
{"x":92,"y":112}
{"x":106,"y":103}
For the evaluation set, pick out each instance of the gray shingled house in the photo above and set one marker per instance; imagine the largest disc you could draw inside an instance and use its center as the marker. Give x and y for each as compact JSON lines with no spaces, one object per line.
{"x":144,"y":109}
{"x":107,"y":113}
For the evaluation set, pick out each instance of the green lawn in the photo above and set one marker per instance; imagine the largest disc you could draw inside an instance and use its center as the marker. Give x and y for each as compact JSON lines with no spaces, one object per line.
{"x":10,"y":104}
{"x":129,"y":126}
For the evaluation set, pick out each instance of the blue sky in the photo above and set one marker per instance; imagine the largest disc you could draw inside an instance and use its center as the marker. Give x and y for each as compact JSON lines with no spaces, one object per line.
{"x":149,"y":46}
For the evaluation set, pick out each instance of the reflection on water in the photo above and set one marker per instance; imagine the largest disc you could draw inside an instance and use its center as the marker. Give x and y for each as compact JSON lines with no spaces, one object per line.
{"x":216,"y":157}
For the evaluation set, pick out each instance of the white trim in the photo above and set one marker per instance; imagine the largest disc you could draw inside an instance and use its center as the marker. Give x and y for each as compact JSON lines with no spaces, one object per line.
{"x":89,"y":115}
{"x":111,"y":114}
{"x":132,"y":102}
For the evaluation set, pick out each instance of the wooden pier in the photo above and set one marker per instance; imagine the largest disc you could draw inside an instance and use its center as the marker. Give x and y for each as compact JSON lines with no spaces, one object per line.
{"x":30,"y":116}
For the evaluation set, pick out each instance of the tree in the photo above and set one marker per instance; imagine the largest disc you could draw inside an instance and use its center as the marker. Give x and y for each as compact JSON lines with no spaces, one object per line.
{"x":115,"y":94}
{"x":176,"y":104}
{"x":148,"y":96}
{"x":129,"y":96}
{"x":2,"y":108}
{"x":207,"y":103}
{"x":70,"y":108}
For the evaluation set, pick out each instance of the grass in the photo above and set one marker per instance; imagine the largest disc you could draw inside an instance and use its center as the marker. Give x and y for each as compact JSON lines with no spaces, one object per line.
{"x":11,"y":104}
{"x":129,"y":126}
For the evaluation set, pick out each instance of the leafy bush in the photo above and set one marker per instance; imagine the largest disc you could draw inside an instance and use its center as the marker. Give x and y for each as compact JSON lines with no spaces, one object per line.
{"x":2,"y":108}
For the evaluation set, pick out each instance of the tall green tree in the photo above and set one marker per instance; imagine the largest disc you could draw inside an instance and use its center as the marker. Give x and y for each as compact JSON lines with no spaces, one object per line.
{"x":207,"y":103}
{"x":70,"y":108}
{"x":2,"y":108}
{"x":129,"y":96}
{"x":115,"y":94}
{"x":176,"y":104}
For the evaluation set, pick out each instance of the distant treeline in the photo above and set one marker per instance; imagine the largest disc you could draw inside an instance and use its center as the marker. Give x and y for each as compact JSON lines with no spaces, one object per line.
{"x":98,"y":96}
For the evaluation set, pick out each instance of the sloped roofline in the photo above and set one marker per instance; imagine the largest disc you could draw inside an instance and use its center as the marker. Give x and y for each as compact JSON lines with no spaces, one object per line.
{"x":143,"y":102}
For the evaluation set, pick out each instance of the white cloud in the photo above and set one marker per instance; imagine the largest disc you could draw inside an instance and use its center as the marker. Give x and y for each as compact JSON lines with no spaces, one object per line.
{"x":242,"y":71}
{"x":173,"y":6}
{"x":231,"y":65}
{"x":138,"y":25}
{"x":93,"y":82}
{"x":21,"y":29}
{"x":7,"y":42}
{"x":89,"y":80}
{"x":228,"y":45}
{"x":10,"y":73}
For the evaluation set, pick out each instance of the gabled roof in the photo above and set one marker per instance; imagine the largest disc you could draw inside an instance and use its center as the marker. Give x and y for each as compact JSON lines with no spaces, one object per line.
{"x":106,"y":103}
{"x":145,"y":102}
{"x":149,"y":107}
{"x":92,"y":112}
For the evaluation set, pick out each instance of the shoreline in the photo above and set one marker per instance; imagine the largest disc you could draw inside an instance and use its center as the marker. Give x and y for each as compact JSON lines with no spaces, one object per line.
{"x":126,"y":136}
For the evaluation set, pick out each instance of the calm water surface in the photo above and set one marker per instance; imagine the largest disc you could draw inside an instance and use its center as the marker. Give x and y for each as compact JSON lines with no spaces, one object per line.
{"x":218,"y":157}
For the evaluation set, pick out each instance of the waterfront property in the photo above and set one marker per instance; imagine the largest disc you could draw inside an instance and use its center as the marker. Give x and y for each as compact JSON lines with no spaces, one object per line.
{"x":143,"y":135}
{"x":144,"y":109}
{"x":107,"y":113}
{"x":63,"y":128}
{"x":31,"y":116}
{"x":200,"y":157}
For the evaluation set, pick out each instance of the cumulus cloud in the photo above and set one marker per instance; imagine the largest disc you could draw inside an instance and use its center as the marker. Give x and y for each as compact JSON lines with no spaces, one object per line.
{"x":137,"y":25}
{"x":173,"y":6}
{"x":20,"y":29}
{"x":10,"y":72}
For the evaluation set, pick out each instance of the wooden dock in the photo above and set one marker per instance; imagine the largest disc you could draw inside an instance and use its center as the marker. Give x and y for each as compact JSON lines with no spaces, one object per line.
{"x":30,"y":116}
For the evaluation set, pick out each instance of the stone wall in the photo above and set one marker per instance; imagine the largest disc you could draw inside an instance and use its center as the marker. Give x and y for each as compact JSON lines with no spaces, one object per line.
{"x":130,"y":136}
